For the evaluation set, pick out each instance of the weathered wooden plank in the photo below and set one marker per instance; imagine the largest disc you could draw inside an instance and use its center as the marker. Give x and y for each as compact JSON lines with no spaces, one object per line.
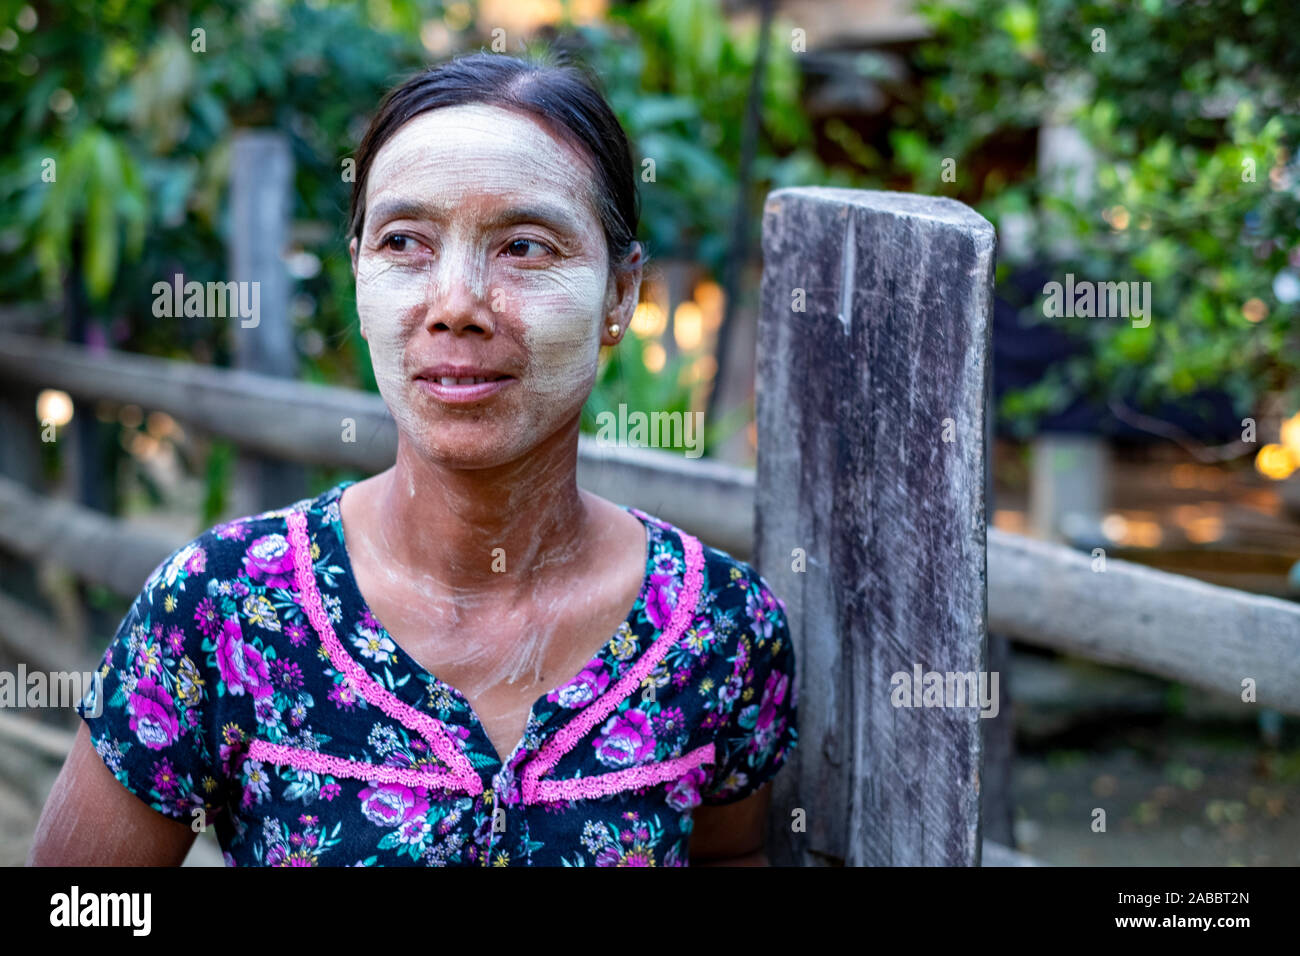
{"x":1180,"y":628}
{"x":33,"y":638}
{"x":261,"y":204}
{"x":93,"y":546}
{"x":308,"y":424}
{"x":1069,"y":487}
{"x":28,"y":733}
{"x":871,"y":460}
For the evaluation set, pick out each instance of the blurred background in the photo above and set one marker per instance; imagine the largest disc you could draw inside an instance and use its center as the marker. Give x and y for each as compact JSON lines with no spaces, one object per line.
{"x":1152,"y":141}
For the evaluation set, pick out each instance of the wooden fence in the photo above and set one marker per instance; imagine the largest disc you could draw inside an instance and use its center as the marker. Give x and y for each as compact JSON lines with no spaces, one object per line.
{"x":866,"y":514}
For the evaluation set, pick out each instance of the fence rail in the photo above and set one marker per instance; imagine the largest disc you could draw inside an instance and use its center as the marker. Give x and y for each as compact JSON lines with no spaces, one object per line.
{"x":1044,"y":594}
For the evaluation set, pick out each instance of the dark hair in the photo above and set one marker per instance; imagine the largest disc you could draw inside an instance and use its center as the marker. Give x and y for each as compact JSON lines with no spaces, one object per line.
{"x":563,"y":94}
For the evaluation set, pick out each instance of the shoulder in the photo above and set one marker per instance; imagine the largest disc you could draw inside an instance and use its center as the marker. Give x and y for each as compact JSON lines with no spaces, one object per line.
{"x":745,"y":692}
{"x":732,"y":581}
{"x":738,"y":599}
{"x":253,"y":546}
{"x":193,"y":667}
{"x":232,"y":569}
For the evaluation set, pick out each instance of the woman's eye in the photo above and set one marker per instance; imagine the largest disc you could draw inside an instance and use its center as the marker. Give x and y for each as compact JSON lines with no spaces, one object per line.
{"x":397,"y":242}
{"x":523,"y":244}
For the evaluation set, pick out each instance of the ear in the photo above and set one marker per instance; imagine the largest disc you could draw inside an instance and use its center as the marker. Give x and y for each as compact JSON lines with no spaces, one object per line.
{"x":622,"y":296}
{"x":352,"y":252}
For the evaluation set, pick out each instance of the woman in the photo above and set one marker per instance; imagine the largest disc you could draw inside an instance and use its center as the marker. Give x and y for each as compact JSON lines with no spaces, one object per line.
{"x":276,"y":677}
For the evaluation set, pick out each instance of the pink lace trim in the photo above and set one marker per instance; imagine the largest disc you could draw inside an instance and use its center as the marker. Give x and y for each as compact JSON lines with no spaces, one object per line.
{"x":321,"y":763}
{"x":464,"y":775}
{"x":582,"y":788}
{"x":573,"y":732}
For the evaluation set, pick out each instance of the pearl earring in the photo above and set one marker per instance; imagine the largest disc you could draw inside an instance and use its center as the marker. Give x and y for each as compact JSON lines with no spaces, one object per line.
{"x":613,"y":329}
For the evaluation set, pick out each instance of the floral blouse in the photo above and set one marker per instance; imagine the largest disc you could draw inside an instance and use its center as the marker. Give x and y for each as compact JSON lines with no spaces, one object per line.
{"x":250,"y":686}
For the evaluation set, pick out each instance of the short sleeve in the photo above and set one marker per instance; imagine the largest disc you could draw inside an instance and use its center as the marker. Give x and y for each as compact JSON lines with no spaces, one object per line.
{"x":145,"y":707}
{"x":760,"y":730}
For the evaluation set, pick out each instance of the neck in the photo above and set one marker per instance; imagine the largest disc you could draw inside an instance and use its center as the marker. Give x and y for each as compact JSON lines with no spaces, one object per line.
{"x":496,"y":531}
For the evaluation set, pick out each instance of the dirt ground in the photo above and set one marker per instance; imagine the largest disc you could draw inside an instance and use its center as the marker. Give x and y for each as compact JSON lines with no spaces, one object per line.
{"x":1184,"y":778}
{"x":1174,"y":794}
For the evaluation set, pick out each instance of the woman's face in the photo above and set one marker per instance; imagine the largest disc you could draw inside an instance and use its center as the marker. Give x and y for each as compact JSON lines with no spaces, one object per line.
{"x":481,"y":247}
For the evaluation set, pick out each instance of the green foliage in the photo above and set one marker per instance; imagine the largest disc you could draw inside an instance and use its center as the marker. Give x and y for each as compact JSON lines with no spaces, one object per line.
{"x":136,"y":105}
{"x":678,"y":76}
{"x":137,"y":111}
{"x":1184,"y":99}
{"x":623,"y":373}
{"x":623,"y":378}
{"x":96,"y":190}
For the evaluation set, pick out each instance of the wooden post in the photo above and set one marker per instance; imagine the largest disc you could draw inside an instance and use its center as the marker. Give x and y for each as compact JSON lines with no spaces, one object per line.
{"x":872,"y":367}
{"x":20,"y":451}
{"x":1069,"y":487}
{"x":261,"y":203}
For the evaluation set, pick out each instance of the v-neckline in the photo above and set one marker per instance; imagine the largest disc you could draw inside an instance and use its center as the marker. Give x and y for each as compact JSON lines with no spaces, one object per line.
{"x":426,"y":677}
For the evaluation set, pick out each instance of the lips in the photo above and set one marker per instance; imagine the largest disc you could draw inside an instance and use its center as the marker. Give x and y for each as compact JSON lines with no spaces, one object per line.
{"x":461,"y":384}
{"x":474,"y":380}
{"x":450,"y":375}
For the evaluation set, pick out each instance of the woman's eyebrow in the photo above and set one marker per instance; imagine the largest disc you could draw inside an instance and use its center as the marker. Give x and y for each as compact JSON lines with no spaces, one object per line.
{"x":425,"y":210}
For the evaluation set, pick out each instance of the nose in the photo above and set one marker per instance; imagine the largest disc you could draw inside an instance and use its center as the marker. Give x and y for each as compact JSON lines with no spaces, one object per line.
{"x":457,"y":297}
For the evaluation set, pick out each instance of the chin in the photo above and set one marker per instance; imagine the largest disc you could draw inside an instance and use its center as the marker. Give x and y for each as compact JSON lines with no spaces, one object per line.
{"x":472,"y":453}
{"x":485,"y":442}
{"x":471,"y":445}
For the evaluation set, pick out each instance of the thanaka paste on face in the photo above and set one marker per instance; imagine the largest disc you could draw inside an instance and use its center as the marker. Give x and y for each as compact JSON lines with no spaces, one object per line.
{"x":476,"y":160}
